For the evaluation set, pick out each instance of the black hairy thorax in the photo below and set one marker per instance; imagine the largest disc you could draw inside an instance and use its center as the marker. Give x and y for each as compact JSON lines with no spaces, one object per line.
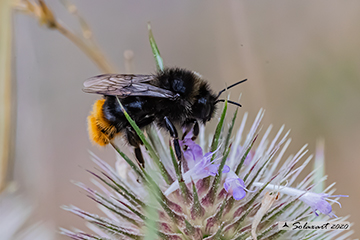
{"x":184,"y":85}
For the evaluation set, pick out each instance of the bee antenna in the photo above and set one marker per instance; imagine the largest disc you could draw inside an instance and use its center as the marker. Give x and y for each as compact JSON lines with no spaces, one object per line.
{"x":230,"y":87}
{"x":223,"y":100}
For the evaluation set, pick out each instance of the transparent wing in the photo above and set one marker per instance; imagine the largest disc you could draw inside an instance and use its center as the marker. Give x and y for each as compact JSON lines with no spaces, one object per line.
{"x":124,"y":85}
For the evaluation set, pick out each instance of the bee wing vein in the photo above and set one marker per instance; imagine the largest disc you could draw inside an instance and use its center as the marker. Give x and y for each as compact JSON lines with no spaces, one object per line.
{"x":124,"y":85}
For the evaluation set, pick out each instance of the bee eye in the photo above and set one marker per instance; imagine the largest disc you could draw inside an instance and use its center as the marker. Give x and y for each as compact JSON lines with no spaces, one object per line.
{"x":202,"y":101}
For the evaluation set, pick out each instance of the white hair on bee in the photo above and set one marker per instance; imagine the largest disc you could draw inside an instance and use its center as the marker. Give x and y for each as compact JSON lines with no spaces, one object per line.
{"x":197,"y":74}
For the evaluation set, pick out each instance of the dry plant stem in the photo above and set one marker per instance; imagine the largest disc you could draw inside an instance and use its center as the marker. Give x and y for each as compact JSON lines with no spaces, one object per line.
{"x":92,"y":52}
{"x":5,"y":89}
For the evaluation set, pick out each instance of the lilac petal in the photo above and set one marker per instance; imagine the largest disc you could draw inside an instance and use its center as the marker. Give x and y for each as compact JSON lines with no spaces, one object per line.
{"x":213,"y":169}
{"x":235,"y":186}
{"x":188,"y":155}
{"x":240,"y":182}
{"x":197,"y":152}
{"x":324,"y":207}
{"x":199,"y":166}
{"x":226,"y":186}
{"x":332,"y":200}
{"x":208,"y":155}
{"x":226,"y":169}
{"x":188,"y":142}
{"x":193,"y":152}
{"x":239,"y":193}
{"x":189,"y":158}
{"x":317,"y":201}
{"x":189,"y":135}
{"x":249,"y":157}
{"x":201,"y":171}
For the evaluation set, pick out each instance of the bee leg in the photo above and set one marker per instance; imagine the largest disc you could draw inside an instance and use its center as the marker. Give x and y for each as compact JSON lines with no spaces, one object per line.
{"x":194,"y":125}
{"x":174,"y":134}
{"x":196,"y":130}
{"x":135,"y":141}
{"x":139,"y":156}
{"x":188,"y":126}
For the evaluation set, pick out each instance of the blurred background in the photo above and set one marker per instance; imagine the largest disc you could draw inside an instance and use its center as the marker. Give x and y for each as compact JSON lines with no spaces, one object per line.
{"x":302,"y":59}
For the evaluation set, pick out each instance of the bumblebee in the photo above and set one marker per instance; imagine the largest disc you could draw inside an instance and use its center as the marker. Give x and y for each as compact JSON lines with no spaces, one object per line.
{"x":169,"y":98}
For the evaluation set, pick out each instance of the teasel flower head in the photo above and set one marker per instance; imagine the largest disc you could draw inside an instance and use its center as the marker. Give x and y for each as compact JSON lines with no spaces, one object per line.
{"x":229,"y":187}
{"x":211,"y":193}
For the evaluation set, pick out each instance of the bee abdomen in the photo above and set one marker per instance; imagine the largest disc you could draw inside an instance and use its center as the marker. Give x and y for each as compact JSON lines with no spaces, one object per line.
{"x":100,"y":129}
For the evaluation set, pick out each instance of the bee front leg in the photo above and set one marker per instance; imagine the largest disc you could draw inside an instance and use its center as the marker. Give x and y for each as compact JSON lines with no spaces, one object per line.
{"x":196,"y":130}
{"x":194,"y":125}
{"x":174,"y":134}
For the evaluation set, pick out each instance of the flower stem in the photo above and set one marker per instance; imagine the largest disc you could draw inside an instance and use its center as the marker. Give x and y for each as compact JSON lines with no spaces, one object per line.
{"x":94,"y":53}
{"x":44,"y":15}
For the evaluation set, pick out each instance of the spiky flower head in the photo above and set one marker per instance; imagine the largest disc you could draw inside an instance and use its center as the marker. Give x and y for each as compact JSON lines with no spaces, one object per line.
{"x":226,"y":188}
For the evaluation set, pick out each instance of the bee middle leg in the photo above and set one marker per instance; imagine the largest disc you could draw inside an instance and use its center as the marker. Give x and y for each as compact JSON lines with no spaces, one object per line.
{"x":194,"y":125}
{"x":134,"y":140}
{"x":174,"y":134}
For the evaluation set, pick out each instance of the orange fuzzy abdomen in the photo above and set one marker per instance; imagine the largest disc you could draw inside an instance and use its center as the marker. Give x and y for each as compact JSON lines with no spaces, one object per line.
{"x":100,"y":130}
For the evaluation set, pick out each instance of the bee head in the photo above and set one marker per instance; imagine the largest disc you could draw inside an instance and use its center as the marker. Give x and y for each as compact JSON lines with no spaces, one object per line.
{"x":204,"y":106}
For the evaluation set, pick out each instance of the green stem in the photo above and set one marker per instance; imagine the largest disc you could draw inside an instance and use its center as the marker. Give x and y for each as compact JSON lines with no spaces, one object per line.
{"x":155,"y":50}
